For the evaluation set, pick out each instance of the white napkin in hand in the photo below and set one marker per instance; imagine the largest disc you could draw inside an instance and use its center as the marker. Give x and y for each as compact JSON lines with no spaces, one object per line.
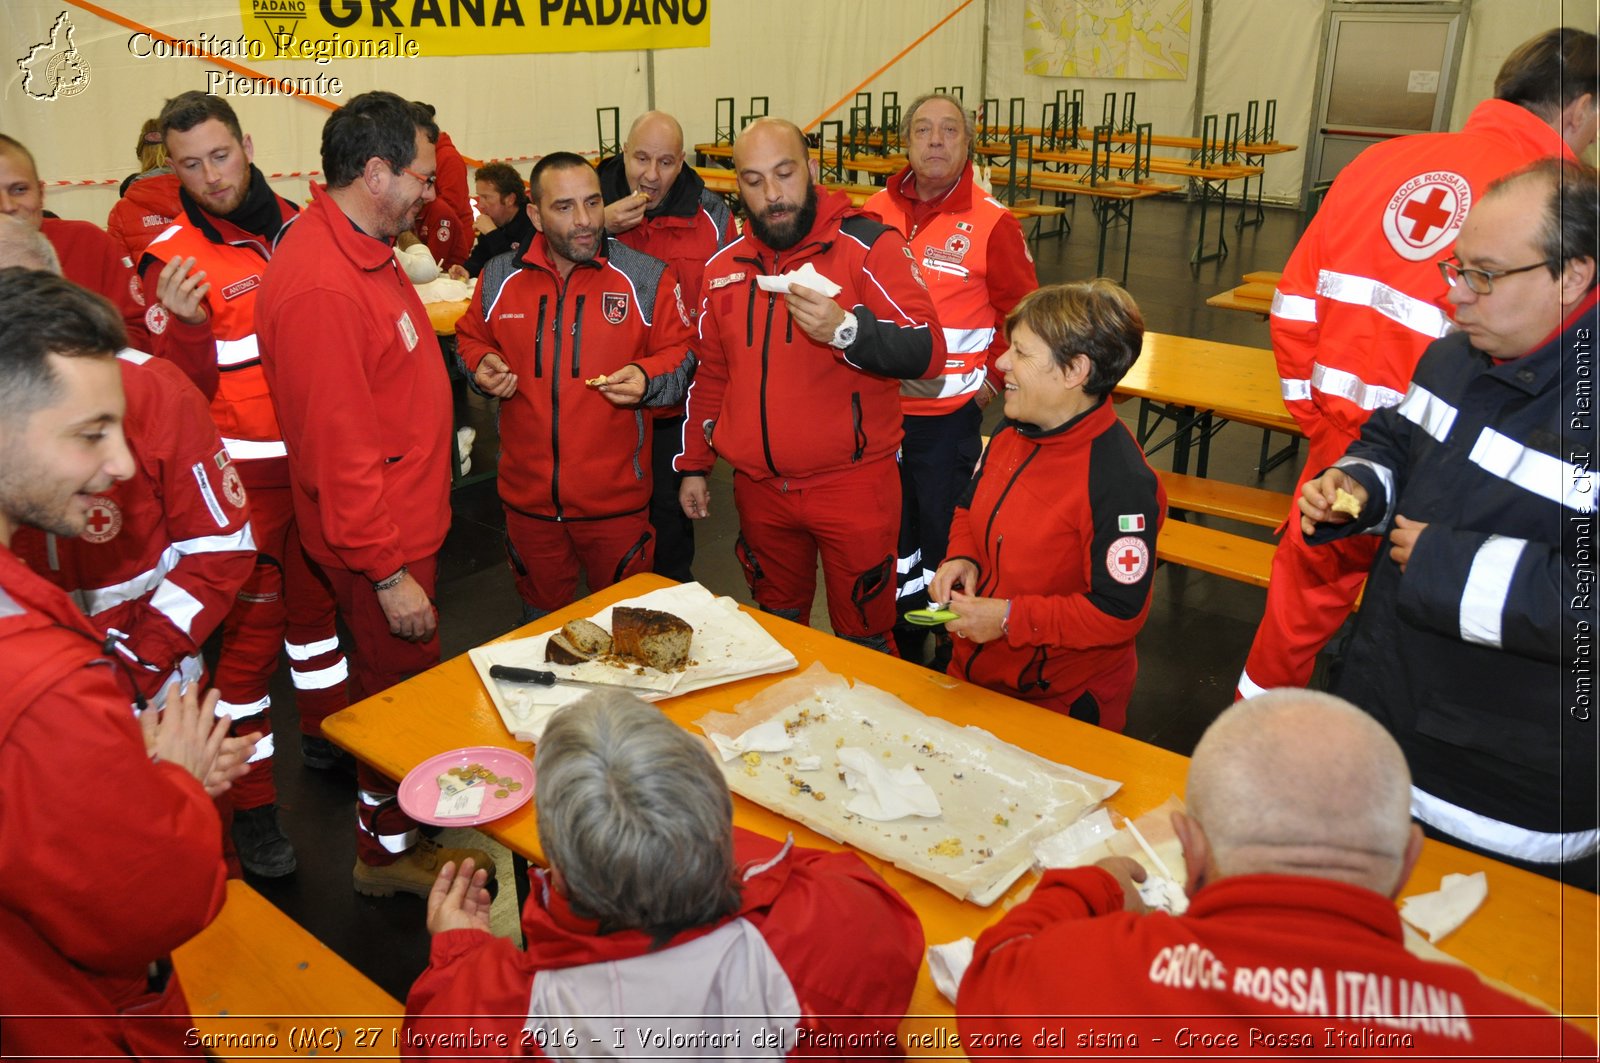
{"x":882,"y":793}
{"x":806,"y":276}
{"x":948,"y":963}
{"x":1446,"y":908}
{"x":769,"y":737}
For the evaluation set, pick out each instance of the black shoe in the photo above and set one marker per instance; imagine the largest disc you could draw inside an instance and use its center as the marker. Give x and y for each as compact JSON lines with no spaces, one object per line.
{"x":320,"y":754}
{"x":263,"y":849}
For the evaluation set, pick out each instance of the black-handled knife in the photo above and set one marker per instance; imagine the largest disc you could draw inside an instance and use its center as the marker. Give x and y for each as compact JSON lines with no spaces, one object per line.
{"x":521,"y":675}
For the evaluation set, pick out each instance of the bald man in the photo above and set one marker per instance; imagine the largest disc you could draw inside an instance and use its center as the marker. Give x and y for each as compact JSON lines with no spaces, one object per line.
{"x":800,"y":391}
{"x":656,"y":204}
{"x":87,"y":255}
{"x":1296,"y":843}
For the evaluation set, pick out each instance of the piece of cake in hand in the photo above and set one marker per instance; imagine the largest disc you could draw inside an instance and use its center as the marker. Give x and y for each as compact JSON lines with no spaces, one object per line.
{"x":651,"y":637}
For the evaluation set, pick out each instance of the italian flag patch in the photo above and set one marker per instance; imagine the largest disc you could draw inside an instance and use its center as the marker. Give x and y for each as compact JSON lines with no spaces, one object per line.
{"x":1130,"y":522}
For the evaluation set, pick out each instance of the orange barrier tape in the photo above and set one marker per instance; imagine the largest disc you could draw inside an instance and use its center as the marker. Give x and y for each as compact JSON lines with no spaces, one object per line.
{"x":901,"y":54}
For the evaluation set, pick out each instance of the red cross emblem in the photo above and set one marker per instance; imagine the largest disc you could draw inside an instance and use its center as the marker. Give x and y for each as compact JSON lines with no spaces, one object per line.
{"x":103,"y":521}
{"x":1421,"y":218}
{"x":1428,"y":214}
{"x":1128,"y":559}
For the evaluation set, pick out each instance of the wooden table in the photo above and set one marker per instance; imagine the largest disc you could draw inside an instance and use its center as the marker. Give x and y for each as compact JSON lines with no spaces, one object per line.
{"x":1517,"y":937}
{"x":1194,"y":381}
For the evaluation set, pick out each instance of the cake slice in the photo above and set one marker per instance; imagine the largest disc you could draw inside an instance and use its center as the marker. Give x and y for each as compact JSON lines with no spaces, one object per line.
{"x":651,"y":637}
{"x":577,"y":641}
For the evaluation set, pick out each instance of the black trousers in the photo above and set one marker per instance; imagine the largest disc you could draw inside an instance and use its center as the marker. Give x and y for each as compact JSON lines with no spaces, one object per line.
{"x":674,"y":531}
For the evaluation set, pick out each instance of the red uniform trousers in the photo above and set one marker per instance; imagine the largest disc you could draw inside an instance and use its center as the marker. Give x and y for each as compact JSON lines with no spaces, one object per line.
{"x":380,"y":660}
{"x":852,"y":517}
{"x":1311,"y":591}
{"x":284,"y":605}
{"x":546,"y":554}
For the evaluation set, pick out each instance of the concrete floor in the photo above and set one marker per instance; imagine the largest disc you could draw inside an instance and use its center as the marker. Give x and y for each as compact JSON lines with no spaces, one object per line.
{"x":1190,"y":651}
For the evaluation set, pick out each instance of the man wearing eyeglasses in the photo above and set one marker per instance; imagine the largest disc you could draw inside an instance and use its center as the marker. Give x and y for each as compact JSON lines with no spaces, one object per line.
{"x":1360,"y":299}
{"x":359,"y":385}
{"x":1475,"y":642}
{"x":205,"y":270}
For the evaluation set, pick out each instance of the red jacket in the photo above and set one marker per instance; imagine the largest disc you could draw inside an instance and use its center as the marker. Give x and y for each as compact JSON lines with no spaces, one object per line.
{"x":359,"y":384}
{"x":977,"y":265}
{"x":1063,"y":524}
{"x":103,"y":871}
{"x":776,"y":404}
{"x":566,"y":452}
{"x":821,"y":948}
{"x":165,"y":551}
{"x":90,"y":258}
{"x":1361,"y":296}
{"x":445,"y":225}
{"x":1257,"y":962}
{"x":148,"y":207}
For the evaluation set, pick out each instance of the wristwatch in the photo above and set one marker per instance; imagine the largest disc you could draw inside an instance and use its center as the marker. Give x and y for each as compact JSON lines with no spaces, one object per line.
{"x":845,"y":334}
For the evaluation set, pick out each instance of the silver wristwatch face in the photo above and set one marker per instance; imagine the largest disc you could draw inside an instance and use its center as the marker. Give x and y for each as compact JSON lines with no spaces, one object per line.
{"x":844,"y":335}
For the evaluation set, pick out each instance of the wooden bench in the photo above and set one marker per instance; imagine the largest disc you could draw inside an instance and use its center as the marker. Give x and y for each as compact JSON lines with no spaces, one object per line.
{"x":1218,"y":552}
{"x":260,"y":986}
{"x":1219,"y":498}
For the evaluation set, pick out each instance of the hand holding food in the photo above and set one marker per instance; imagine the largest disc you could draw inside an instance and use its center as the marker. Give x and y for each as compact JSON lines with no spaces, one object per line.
{"x":1318,"y":498}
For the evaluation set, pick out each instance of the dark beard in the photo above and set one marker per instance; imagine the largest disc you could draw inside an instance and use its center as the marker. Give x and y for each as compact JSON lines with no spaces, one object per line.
{"x":570,"y":251}
{"x":786,"y":234}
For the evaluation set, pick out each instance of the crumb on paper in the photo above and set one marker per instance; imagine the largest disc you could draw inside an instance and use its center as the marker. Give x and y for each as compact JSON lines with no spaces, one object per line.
{"x":948,"y":847}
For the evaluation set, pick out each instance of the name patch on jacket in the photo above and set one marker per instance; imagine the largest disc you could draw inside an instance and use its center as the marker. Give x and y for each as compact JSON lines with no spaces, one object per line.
{"x":408,"y":331}
{"x":615,"y":306}
{"x":238,"y":288}
{"x":723,"y":282}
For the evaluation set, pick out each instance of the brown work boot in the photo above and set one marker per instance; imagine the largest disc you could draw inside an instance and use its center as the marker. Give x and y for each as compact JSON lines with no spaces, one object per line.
{"x":416,"y":870}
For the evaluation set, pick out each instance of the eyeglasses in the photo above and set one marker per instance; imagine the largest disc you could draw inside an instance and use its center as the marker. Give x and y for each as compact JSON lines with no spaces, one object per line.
{"x":1479,"y":281}
{"x":427,"y":182}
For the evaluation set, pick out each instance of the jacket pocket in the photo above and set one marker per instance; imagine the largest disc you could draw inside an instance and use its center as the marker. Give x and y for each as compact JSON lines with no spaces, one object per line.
{"x":855,"y":423}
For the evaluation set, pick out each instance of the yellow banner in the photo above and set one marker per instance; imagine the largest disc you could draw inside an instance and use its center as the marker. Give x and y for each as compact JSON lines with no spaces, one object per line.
{"x":324,"y":30}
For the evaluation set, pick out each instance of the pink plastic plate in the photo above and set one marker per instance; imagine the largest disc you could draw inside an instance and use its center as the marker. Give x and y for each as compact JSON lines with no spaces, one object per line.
{"x":419,"y":790}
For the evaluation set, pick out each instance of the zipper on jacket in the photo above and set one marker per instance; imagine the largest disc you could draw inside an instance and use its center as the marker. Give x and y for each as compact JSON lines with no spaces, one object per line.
{"x":538,"y":338}
{"x":555,"y":397}
{"x":855,"y":420}
{"x":766,"y":346}
{"x":1004,"y":491}
{"x":750,"y":316}
{"x":577,"y":335}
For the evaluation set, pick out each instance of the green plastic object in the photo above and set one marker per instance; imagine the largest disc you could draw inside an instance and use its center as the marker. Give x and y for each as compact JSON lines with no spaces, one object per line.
{"x":930,"y":617}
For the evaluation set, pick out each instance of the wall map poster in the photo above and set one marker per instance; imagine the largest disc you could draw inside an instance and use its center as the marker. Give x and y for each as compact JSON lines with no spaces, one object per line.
{"x":1107,"y":38}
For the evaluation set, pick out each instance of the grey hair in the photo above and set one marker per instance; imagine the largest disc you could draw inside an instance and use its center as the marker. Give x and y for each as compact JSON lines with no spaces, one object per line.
{"x":968,"y":126}
{"x":635,"y":815}
{"x":1301,"y":782}
{"x":24,"y":246}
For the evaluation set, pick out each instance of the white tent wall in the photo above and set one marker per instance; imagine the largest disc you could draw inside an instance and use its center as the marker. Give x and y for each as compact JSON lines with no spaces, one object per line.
{"x":1494,"y":30}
